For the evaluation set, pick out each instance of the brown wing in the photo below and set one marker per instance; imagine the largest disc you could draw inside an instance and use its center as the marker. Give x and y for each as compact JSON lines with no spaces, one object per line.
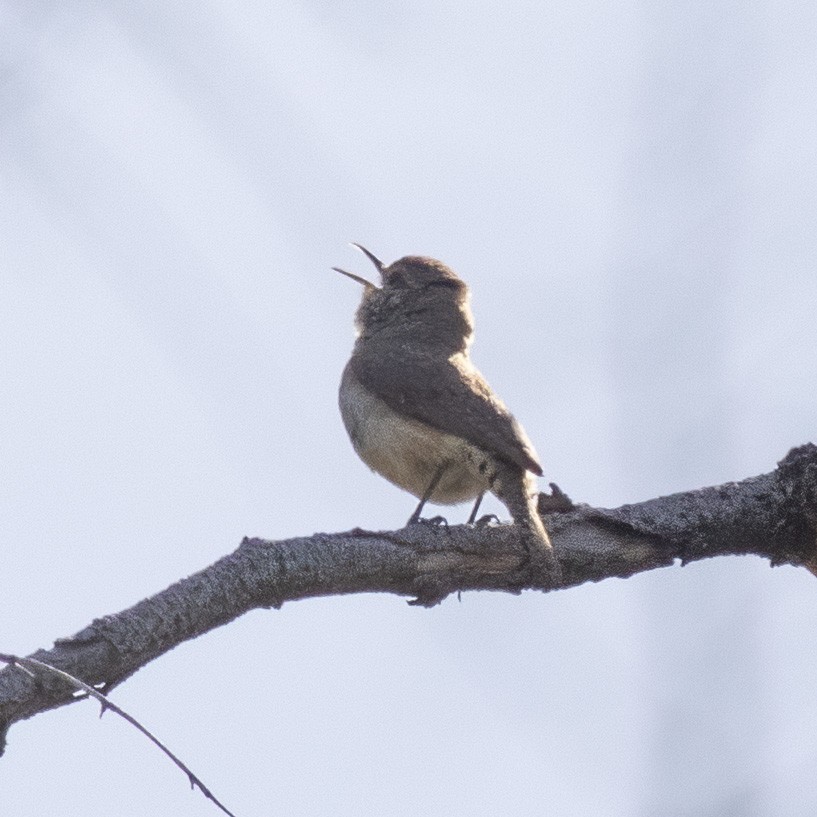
{"x":453,"y":397}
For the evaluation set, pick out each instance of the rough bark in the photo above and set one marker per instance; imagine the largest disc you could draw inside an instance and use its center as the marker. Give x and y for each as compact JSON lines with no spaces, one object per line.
{"x":773,"y":516}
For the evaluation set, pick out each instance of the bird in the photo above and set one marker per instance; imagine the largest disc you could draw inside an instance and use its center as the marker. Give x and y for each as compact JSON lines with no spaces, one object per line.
{"x":420,"y":414}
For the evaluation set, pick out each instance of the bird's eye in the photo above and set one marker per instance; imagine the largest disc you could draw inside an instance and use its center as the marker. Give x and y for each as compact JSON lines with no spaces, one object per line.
{"x":396,"y":279}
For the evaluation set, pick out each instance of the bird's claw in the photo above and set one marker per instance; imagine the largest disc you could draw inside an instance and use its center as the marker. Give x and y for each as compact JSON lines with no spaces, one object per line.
{"x":485,"y":520}
{"x":433,"y":521}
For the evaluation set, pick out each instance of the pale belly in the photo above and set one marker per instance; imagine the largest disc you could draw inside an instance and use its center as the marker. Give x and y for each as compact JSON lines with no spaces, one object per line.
{"x":410,"y":453}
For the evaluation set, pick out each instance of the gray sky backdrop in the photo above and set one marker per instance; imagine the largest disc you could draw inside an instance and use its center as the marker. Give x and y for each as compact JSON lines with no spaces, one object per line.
{"x":628,"y":187}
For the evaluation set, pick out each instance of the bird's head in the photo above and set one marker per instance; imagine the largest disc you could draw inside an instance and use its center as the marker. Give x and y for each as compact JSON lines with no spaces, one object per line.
{"x":420,"y":301}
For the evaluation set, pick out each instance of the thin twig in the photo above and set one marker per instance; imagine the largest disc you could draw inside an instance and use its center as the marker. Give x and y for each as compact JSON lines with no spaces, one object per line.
{"x":25,"y":664}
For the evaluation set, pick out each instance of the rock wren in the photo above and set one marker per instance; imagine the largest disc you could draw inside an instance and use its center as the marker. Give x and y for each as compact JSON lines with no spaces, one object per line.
{"x":417,"y":410}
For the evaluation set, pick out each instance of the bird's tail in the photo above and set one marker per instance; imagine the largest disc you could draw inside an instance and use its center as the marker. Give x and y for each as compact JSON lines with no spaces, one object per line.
{"x":518,"y":491}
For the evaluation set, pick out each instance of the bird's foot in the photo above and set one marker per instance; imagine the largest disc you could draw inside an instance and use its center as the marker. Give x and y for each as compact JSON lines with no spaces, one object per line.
{"x":433,"y":521}
{"x":484,"y":521}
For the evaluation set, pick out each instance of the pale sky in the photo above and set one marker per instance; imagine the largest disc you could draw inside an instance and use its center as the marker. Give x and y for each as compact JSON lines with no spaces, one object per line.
{"x":628,"y":188}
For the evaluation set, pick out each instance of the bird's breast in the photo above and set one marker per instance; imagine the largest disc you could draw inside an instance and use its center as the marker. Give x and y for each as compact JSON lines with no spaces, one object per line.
{"x":408,"y":452}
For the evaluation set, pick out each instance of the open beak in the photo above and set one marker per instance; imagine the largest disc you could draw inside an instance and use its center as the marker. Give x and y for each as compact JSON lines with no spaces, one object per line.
{"x":373,"y":258}
{"x":367,"y":284}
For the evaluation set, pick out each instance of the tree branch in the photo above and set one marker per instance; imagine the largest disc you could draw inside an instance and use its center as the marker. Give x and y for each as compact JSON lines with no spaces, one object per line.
{"x":773,"y":515}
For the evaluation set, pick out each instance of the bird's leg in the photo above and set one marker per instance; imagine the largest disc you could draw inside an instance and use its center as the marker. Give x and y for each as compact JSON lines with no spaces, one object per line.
{"x":435,"y":481}
{"x":476,"y":508}
{"x":483,"y":520}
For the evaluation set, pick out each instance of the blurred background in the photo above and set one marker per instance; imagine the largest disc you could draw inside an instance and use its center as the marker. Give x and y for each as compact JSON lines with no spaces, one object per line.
{"x":628,"y":188}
